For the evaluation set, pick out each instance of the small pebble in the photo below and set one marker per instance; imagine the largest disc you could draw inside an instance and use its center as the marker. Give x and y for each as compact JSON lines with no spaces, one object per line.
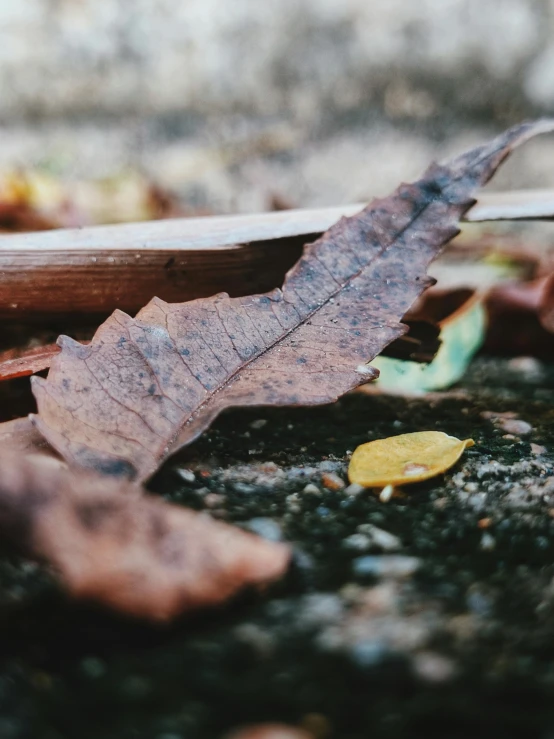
{"x":508,"y":422}
{"x":186,"y":475}
{"x":433,"y":667}
{"x":354,"y":489}
{"x":494,"y":415}
{"x":386,"y":566}
{"x":213,"y":500}
{"x":479,"y":601}
{"x":529,"y":366}
{"x":459,"y":479}
{"x":256,"y":637}
{"x":312,"y":489}
{"x":329,"y":465}
{"x":488,"y":543}
{"x":514,"y":426}
{"x":332,"y":481}
{"x":259,"y":423}
{"x":267,"y":528}
{"x":369,"y":653}
{"x":477,"y":501}
{"x":484,"y":523}
{"x":293,"y":503}
{"x":379,"y":538}
{"x":537,"y":449}
{"x":243,"y":488}
{"x":358,"y":542}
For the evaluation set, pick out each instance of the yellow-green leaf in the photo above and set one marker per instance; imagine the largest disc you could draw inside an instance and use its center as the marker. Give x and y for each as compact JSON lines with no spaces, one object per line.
{"x":405,"y":459}
{"x":461,"y":337}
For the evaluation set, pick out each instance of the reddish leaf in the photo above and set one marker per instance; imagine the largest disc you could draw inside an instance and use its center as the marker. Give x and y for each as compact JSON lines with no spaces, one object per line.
{"x":20,"y":364}
{"x":524,"y":307}
{"x":134,"y":553}
{"x":147,"y":386}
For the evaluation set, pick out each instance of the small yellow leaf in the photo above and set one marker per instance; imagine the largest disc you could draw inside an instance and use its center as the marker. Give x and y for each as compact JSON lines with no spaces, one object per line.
{"x":404,"y":459}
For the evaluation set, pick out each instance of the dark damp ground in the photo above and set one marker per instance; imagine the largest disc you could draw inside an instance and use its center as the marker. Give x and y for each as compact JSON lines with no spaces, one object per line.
{"x":456,"y":640}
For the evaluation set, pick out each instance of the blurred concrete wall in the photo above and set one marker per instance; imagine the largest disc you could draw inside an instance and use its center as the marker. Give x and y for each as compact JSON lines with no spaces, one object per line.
{"x":409,"y":57}
{"x":231,"y":102}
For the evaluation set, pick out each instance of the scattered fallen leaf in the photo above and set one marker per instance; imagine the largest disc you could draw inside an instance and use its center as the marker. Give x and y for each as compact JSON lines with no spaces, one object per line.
{"x":134,"y":553}
{"x":461,"y":335}
{"x":147,"y":386}
{"x":405,"y":459}
{"x":418,"y":345}
{"x":33,"y":200}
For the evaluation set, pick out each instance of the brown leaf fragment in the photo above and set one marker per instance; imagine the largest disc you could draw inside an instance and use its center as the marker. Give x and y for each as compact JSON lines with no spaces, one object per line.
{"x":134,"y":553}
{"x":147,"y":386}
{"x":20,"y":364}
{"x":419,"y":345}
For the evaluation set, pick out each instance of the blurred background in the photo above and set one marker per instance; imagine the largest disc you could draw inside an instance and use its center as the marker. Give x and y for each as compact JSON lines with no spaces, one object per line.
{"x":244,"y":106}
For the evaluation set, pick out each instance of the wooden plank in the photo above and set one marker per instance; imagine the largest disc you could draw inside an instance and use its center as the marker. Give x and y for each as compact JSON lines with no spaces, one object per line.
{"x":518,"y":205}
{"x":36,"y":283}
{"x":96,"y":269}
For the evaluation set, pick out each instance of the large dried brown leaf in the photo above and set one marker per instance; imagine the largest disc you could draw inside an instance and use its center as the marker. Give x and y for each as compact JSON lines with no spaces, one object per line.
{"x":13,"y":363}
{"x":134,"y":553}
{"x":147,"y":386}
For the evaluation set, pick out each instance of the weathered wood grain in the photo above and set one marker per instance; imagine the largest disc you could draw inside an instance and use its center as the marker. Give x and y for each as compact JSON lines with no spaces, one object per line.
{"x":94,"y":270}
